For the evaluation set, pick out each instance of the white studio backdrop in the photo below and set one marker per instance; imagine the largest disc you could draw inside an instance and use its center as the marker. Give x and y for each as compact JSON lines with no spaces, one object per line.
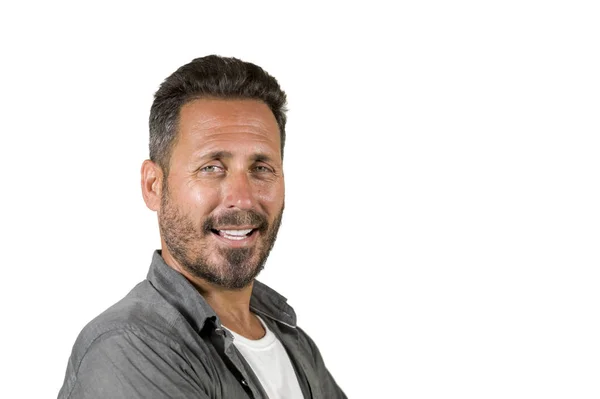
{"x":442,"y":223}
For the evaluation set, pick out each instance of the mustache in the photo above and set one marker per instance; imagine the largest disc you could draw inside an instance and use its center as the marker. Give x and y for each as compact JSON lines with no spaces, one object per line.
{"x":236,"y":218}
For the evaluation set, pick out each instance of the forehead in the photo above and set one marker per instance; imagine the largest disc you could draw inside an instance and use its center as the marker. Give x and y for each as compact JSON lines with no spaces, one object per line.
{"x":211,"y":124}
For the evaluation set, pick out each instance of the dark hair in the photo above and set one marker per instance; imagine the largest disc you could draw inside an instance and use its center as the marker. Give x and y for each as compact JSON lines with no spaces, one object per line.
{"x":209,"y":77}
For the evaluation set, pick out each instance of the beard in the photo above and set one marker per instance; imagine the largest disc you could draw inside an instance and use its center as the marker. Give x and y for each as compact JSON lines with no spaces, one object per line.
{"x":188,"y":240}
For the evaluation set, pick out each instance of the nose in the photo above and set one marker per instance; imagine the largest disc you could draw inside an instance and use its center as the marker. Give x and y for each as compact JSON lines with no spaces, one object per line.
{"x":238,"y":192}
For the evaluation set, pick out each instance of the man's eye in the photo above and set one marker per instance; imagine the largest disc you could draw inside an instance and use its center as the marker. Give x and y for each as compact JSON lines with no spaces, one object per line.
{"x":211,"y":168}
{"x":262,"y":169}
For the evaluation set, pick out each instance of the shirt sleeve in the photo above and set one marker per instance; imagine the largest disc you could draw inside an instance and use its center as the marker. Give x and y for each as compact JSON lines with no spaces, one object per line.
{"x":329,"y":387}
{"x":123,"y":365}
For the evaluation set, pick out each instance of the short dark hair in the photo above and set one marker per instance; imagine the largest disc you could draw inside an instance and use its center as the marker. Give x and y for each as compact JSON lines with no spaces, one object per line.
{"x":212,"y":76}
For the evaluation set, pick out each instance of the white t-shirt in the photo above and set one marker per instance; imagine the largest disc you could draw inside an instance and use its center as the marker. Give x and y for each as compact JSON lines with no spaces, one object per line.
{"x":271,"y":364}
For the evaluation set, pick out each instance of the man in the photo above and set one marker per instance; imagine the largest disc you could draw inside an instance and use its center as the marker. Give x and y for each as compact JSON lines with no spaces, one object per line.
{"x":200,"y":326}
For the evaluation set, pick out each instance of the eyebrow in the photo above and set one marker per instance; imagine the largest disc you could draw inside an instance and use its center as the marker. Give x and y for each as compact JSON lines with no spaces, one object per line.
{"x":216,"y":155}
{"x":260,"y":157}
{"x":257,"y":157}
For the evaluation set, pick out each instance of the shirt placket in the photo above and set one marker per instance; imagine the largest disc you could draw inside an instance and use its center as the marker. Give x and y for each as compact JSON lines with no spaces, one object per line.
{"x":299,"y":362}
{"x":224,"y":344}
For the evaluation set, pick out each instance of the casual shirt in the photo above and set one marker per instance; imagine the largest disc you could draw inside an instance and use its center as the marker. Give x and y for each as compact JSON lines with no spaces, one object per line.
{"x":163,"y":340}
{"x":270,"y":362}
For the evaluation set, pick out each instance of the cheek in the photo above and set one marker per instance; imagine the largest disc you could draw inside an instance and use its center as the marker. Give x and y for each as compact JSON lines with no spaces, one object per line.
{"x":272,"y":197}
{"x":206,"y":199}
{"x":198,"y":201}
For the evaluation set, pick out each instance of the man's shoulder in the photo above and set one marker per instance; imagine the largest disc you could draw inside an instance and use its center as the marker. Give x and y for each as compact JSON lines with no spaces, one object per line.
{"x":143,"y":312}
{"x":141,"y":331}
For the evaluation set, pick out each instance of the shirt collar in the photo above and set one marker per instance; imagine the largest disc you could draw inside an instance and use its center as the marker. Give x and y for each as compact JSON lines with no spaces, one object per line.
{"x":182,"y":295}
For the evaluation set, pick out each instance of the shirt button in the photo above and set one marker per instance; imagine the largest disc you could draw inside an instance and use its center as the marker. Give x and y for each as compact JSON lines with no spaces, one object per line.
{"x":220,"y":331}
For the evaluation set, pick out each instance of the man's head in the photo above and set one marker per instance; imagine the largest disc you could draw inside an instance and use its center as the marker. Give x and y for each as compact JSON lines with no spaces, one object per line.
{"x":209,"y":77}
{"x":215,"y":174}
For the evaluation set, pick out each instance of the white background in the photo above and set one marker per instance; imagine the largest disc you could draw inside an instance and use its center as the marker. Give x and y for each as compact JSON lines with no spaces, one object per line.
{"x":442,"y":227}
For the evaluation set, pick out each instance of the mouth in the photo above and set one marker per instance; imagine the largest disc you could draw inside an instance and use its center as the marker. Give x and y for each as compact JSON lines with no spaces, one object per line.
{"x":235,"y":233}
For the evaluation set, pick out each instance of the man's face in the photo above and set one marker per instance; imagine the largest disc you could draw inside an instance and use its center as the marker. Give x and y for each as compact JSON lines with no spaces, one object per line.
{"x":223,"y":199}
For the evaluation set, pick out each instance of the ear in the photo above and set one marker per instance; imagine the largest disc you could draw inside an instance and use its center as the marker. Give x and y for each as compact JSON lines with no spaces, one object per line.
{"x":152,"y":177}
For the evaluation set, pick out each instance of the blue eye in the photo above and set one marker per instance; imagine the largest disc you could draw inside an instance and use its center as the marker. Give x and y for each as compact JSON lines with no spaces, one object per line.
{"x":262,"y":169}
{"x":211,"y":168}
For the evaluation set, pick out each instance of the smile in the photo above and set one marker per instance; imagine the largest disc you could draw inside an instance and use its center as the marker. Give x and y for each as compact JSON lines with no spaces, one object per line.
{"x":234,"y":234}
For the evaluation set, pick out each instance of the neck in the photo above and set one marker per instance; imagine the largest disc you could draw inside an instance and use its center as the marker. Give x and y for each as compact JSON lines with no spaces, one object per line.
{"x":232,"y":306}
{"x":229,"y":305}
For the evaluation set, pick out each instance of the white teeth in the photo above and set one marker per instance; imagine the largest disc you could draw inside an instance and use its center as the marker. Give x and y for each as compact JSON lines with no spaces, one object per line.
{"x":236,"y":232}
{"x":236,"y":238}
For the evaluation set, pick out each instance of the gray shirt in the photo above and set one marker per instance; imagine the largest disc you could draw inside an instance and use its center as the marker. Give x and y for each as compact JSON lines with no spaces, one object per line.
{"x":164,"y":341}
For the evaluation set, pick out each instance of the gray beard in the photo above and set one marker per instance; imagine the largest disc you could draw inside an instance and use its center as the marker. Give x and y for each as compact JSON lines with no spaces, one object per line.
{"x":239,"y":266}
